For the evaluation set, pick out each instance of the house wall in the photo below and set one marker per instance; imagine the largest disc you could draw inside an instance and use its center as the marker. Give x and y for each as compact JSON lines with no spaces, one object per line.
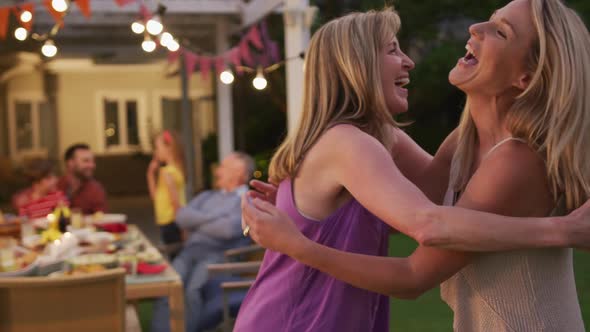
{"x":80,"y":104}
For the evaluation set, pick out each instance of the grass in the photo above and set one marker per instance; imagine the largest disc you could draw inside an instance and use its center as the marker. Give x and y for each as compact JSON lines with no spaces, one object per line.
{"x":430,"y":313}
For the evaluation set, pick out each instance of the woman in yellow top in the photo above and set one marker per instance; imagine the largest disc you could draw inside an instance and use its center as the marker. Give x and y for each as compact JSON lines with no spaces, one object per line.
{"x":165,"y":177}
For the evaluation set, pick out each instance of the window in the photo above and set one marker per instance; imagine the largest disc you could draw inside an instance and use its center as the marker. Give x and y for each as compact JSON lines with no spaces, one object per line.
{"x":121,"y":123}
{"x":31,"y":125}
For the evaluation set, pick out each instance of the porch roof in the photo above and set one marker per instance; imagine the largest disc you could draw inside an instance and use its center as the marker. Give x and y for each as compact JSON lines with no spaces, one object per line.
{"x":106,"y":36}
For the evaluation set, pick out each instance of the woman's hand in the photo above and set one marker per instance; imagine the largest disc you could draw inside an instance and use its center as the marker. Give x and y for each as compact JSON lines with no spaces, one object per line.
{"x":577,"y":224}
{"x":264,"y":191}
{"x":271,"y":227}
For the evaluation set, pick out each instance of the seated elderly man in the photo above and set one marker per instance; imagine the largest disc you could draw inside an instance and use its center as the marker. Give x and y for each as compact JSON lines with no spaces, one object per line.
{"x":212,"y":224}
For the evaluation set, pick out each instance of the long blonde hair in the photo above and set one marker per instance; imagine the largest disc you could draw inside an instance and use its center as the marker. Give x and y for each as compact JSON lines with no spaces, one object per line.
{"x":553,"y":113}
{"x":342,"y":84}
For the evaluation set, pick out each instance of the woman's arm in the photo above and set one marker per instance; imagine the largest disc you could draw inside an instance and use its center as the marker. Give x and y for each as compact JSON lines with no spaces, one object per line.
{"x":153,"y":167}
{"x":367,"y":171}
{"x":515,"y":191}
{"x":430,"y":174}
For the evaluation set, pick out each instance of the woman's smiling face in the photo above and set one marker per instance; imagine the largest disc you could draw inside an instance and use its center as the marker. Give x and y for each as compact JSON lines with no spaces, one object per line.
{"x":497,"y":52}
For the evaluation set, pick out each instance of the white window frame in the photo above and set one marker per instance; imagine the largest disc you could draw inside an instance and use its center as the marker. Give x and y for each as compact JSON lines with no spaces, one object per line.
{"x":121,"y":97}
{"x":35,"y":98}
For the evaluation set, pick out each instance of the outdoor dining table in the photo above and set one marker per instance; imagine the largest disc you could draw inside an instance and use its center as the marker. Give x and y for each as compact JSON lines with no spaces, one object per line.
{"x":166,"y":284}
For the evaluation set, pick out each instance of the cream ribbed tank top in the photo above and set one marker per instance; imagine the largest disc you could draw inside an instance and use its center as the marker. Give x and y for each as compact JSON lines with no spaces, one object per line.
{"x":516,"y":291}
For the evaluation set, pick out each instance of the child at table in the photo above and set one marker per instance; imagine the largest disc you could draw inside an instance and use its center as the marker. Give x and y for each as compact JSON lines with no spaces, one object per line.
{"x":165,"y":177}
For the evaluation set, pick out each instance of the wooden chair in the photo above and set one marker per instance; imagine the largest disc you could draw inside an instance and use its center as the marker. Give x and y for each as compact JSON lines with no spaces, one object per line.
{"x":244,"y":262}
{"x":91,"y":302}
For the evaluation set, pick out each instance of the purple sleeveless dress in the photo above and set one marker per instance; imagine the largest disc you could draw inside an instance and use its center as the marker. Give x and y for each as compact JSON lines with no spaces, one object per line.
{"x":288,"y":296}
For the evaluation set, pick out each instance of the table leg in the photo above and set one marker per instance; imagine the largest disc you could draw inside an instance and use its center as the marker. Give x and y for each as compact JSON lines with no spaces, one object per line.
{"x":176,"y":302}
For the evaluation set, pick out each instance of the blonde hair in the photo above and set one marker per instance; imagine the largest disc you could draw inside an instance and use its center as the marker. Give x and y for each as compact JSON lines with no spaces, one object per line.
{"x":342,"y":84}
{"x":553,"y":113}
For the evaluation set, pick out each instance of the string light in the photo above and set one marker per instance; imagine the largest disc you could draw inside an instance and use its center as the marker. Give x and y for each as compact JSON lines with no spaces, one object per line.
{"x":227,"y":77}
{"x":26,"y":16}
{"x":173,"y":46}
{"x":137,"y":27}
{"x":59,"y":5}
{"x":49,"y":49}
{"x":154,"y":26}
{"x":259,"y":82}
{"x":148,"y":44}
{"x":20,"y":33}
{"x":165,"y":39}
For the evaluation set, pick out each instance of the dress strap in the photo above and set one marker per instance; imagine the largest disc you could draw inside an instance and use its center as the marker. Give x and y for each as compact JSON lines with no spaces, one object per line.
{"x":507,"y":139}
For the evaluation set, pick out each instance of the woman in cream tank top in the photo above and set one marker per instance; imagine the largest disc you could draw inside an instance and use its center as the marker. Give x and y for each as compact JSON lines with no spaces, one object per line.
{"x":522,"y":290}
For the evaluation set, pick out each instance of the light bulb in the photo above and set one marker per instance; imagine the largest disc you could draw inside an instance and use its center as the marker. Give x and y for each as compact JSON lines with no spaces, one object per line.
{"x":165,"y":39}
{"x":148,"y":45}
{"x":49,"y":49}
{"x":137,"y":27}
{"x":259,"y":81}
{"x":173,"y":46}
{"x":226,"y":77}
{"x":20,"y":33}
{"x":26,"y":16}
{"x":59,"y":5}
{"x":154,"y":26}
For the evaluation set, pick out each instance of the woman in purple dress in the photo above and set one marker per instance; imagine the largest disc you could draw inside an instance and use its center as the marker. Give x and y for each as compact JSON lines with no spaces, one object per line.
{"x":331,"y":175}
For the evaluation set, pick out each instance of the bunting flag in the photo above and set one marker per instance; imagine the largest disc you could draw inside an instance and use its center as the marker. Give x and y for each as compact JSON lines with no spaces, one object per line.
{"x":205,"y":67}
{"x":255,"y":38}
{"x":57,"y":16}
{"x":26,"y":7}
{"x":4,"y":17}
{"x":84,"y":6}
{"x":219,"y":65}
{"x":190,"y":60}
{"x":245,"y":53}
{"x":145,"y":13}
{"x":123,"y":3}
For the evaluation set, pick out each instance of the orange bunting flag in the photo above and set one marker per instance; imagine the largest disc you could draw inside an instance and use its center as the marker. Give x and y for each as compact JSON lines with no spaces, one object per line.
{"x":4,"y":18}
{"x":57,"y":16}
{"x":84,"y":6}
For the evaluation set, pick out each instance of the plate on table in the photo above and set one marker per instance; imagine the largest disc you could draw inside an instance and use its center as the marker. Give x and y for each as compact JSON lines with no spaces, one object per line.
{"x":26,"y":263}
{"x":98,"y":238}
{"x":108,"y":218}
{"x":106,"y":260}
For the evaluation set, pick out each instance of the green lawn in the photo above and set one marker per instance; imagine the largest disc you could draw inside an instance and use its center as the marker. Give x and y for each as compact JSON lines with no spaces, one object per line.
{"x":430,"y":313}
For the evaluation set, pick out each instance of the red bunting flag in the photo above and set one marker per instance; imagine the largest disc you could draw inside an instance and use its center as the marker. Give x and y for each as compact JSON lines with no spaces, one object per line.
{"x":57,"y":16}
{"x":123,"y":3}
{"x":205,"y":67}
{"x":84,"y":6}
{"x":145,"y":13}
{"x":245,"y":53}
{"x":219,"y":65}
{"x":26,"y":7}
{"x":4,"y":18}
{"x":190,"y":60}
{"x":255,"y":37}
